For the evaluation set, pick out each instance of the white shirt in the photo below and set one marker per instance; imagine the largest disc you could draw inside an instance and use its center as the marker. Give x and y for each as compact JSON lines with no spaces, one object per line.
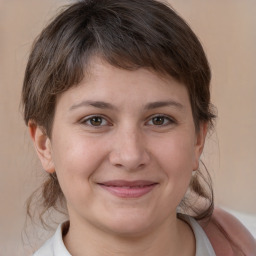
{"x":55,"y":245}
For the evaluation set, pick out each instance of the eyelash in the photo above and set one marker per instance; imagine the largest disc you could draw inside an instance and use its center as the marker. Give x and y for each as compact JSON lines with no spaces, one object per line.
{"x":88,"y":121}
{"x":167,"y":120}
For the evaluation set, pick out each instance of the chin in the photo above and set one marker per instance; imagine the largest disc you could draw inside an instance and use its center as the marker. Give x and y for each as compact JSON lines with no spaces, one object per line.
{"x":133,"y":225}
{"x":129,"y":231}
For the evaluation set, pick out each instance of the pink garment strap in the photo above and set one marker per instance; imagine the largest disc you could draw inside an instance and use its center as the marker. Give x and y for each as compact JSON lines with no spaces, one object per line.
{"x":228,"y":235}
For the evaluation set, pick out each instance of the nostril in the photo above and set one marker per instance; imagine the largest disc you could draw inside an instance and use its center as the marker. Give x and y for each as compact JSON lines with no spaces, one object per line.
{"x":141,"y":166}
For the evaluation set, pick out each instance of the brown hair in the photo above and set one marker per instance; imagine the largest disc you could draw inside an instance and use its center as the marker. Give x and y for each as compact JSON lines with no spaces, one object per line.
{"x":128,"y":34}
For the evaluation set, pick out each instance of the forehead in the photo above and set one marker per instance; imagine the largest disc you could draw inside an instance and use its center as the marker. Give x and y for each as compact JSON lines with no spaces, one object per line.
{"x":102,"y":80}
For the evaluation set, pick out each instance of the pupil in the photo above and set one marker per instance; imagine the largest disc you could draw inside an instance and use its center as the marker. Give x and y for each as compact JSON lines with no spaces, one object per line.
{"x":158,"y":120}
{"x":96,"y":121}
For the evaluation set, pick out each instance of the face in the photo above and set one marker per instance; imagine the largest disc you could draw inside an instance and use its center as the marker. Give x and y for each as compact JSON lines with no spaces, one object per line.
{"x":123,"y":146}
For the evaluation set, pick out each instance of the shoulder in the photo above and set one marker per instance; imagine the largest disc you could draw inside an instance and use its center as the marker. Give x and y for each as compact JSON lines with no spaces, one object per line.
{"x":46,"y":249}
{"x":228,"y":236}
{"x":55,"y":245}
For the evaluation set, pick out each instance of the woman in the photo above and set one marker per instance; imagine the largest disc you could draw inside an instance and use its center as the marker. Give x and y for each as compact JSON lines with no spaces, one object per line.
{"x":116,"y":98}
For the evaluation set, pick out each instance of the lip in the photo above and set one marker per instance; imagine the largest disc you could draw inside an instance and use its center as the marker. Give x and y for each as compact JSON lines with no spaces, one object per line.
{"x":128,"y":189}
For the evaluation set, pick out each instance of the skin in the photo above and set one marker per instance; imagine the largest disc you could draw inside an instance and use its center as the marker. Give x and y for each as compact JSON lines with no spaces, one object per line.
{"x":128,"y":138}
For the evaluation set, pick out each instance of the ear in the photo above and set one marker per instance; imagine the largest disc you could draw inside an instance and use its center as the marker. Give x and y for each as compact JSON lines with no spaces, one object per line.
{"x":42,"y":145}
{"x":199,"y":143}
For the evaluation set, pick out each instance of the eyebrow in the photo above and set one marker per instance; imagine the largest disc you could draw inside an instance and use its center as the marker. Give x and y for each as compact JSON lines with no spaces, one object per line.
{"x":168,"y":103}
{"x":96,"y":104}
{"x":106,"y":105}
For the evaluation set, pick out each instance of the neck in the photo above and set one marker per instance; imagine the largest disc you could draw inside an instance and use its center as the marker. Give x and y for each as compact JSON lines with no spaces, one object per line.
{"x":165,"y":239}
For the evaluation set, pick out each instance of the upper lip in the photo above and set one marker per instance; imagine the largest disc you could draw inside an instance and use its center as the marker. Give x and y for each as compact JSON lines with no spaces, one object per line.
{"x":125,"y":183}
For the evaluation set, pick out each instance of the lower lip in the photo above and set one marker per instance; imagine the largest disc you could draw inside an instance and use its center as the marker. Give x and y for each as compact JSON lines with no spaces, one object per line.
{"x":129,"y":192}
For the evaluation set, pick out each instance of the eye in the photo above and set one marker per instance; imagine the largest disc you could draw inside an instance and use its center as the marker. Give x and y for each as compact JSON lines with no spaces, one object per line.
{"x":160,"y":120}
{"x":95,"y":121}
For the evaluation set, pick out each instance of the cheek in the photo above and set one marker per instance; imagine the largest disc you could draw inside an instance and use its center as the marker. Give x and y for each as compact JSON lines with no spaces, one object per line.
{"x":176,"y":153}
{"x":76,"y":154}
{"x":76,"y":159}
{"x":176,"y":159}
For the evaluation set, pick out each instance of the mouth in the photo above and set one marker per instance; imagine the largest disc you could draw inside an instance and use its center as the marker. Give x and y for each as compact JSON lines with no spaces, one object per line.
{"x":128,"y":189}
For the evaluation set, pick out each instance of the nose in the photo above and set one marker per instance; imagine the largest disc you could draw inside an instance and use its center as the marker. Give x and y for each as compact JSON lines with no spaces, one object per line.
{"x":129,"y":150}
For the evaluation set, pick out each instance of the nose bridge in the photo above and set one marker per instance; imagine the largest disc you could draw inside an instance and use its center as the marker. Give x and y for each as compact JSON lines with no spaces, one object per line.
{"x":129,"y":148}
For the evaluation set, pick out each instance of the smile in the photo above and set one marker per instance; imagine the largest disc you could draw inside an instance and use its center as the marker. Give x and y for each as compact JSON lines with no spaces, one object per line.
{"x":128,"y":189}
